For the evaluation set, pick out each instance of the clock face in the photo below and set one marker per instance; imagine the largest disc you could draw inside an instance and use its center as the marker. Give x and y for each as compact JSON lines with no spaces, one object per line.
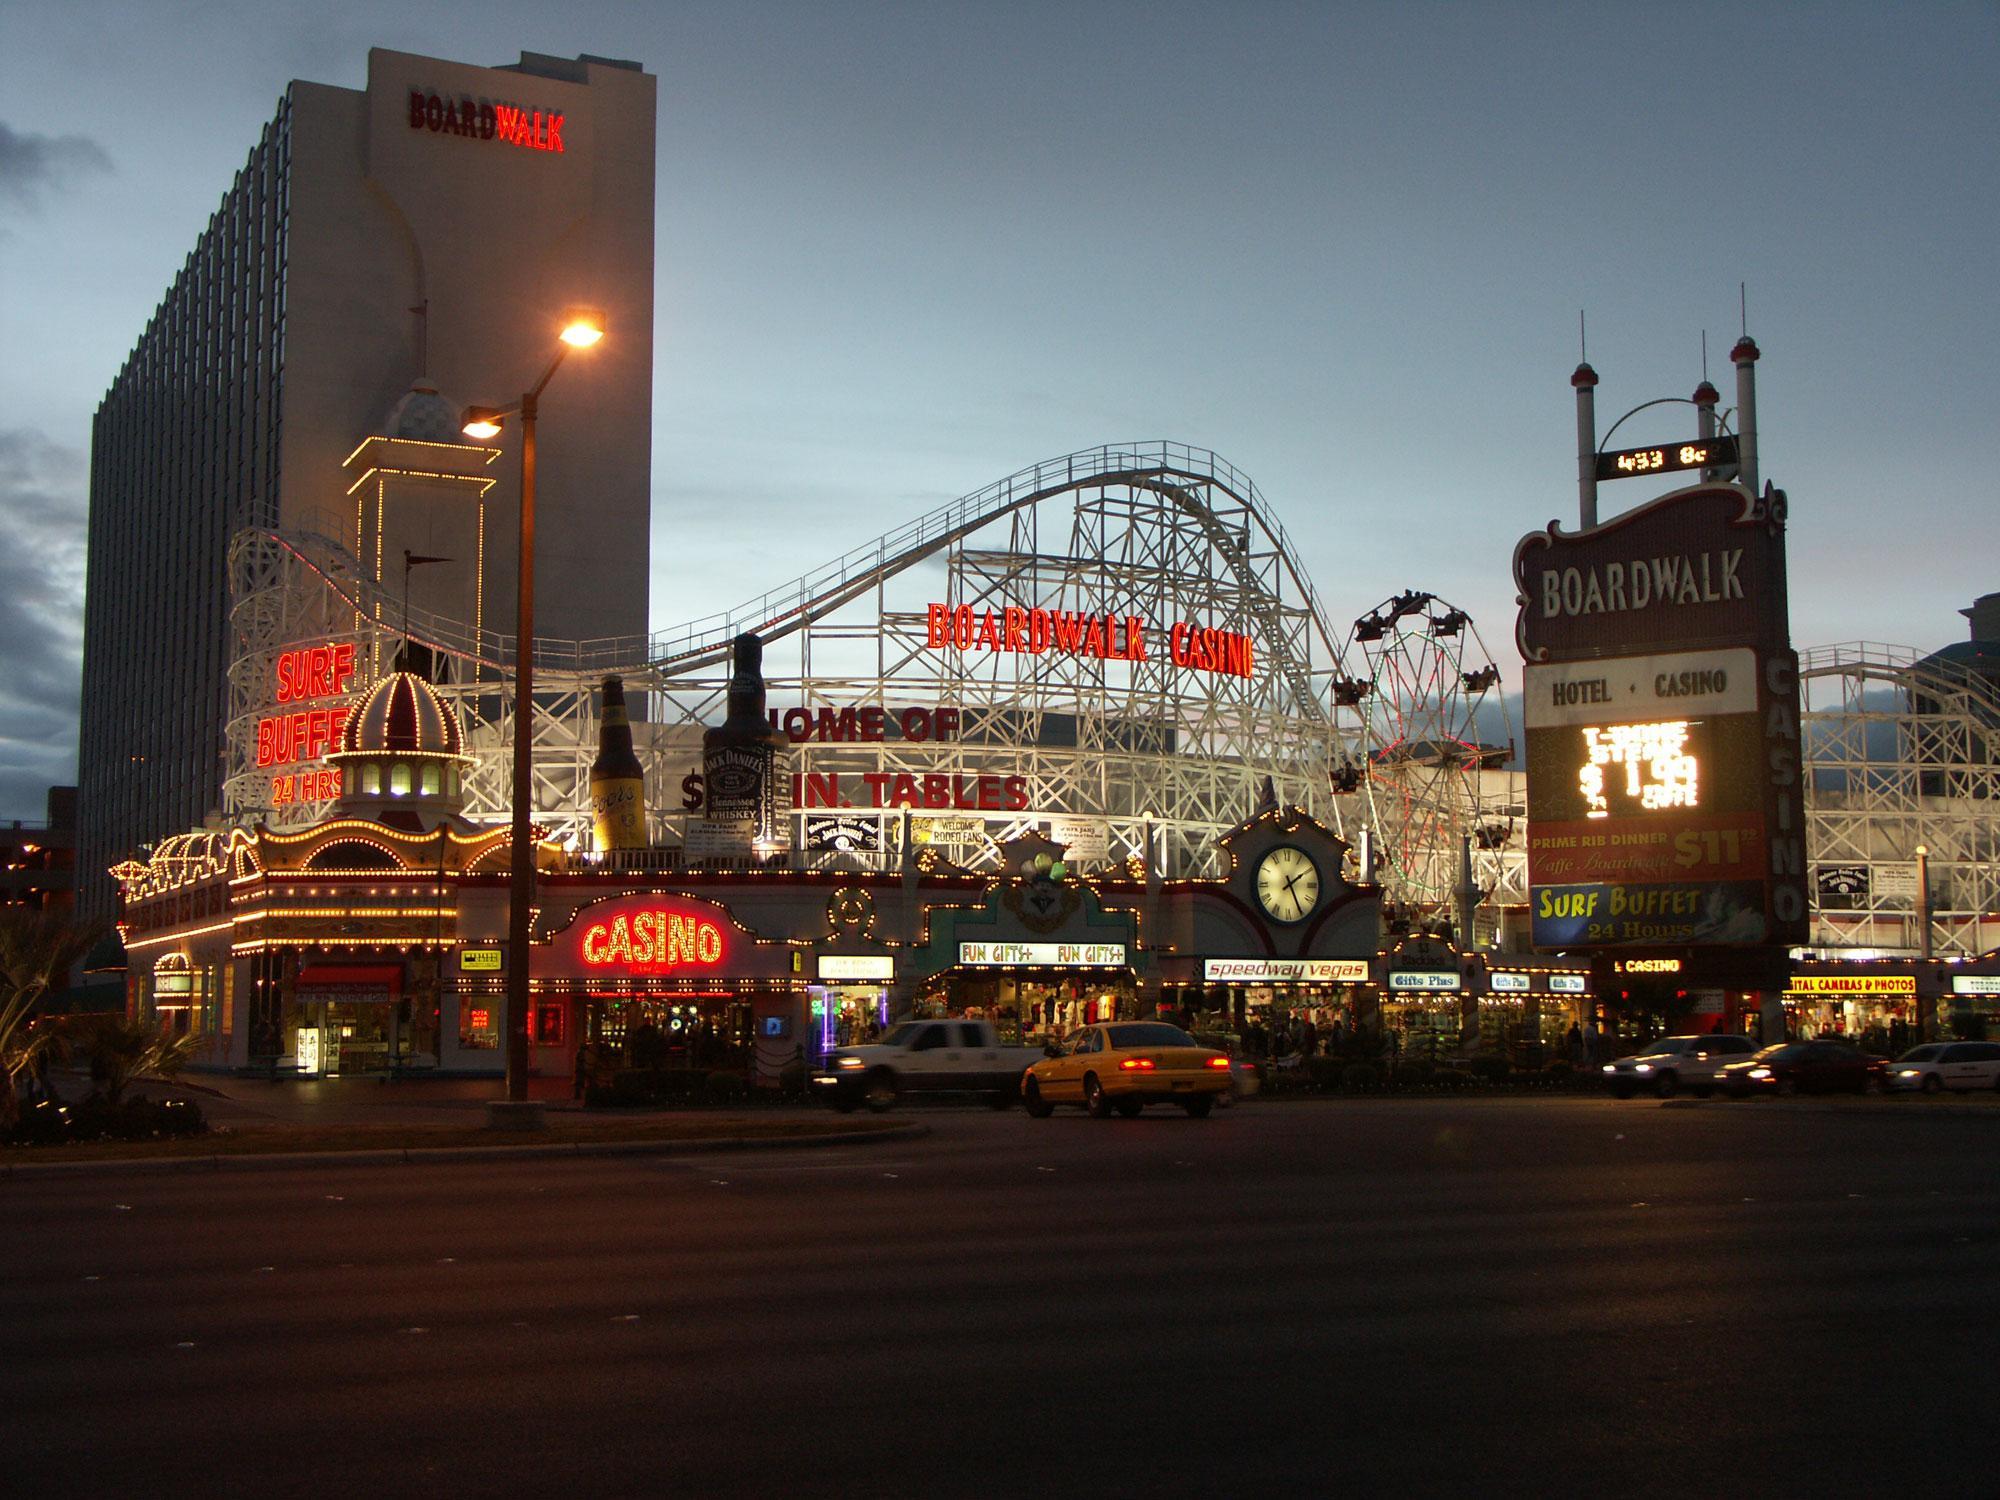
{"x":1287,"y":883}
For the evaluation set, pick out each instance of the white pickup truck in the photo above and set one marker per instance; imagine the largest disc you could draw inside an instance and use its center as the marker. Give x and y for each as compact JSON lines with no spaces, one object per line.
{"x":925,"y":1057}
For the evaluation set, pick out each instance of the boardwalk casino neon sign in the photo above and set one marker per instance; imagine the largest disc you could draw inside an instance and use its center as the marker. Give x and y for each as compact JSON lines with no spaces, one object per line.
{"x":483,"y":120}
{"x":1105,"y":637}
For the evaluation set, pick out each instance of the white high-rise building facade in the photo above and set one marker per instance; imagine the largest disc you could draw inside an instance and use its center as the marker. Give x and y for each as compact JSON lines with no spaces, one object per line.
{"x":385,"y":255}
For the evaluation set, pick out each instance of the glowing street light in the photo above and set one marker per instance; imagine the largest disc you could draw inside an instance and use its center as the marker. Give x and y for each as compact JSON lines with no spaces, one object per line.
{"x":582,"y":328}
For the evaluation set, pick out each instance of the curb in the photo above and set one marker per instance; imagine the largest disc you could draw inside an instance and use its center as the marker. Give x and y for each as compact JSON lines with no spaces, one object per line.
{"x":445,"y":1155}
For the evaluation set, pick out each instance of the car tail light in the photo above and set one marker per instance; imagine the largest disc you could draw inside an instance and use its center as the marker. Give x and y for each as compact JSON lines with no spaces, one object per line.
{"x":1137,"y":1065}
{"x":1218,"y":1062}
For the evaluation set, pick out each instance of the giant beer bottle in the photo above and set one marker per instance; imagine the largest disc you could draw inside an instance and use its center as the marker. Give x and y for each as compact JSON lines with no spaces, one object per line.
{"x":617,"y":782}
{"x":739,"y":757}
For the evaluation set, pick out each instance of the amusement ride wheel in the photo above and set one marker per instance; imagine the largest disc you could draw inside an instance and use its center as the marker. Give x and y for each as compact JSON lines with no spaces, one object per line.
{"x":1434,"y":718}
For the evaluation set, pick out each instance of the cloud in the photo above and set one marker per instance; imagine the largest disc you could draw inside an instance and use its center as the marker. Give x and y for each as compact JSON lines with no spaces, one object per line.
{"x":31,"y":165}
{"x":43,"y":508}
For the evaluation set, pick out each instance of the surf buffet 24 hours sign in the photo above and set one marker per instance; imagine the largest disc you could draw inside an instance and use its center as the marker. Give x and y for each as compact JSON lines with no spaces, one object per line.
{"x":1665,"y":796}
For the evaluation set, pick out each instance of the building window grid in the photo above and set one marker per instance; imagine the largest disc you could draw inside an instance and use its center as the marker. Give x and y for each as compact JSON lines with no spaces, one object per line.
{"x":185,"y":449}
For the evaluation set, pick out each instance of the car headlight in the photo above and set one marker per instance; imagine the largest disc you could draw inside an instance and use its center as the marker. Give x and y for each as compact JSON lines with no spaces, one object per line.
{"x":1642,"y":1067}
{"x":1609,"y":1068}
{"x":1760,"y":1073}
{"x":1910,"y":1073}
{"x":847,"y":1062}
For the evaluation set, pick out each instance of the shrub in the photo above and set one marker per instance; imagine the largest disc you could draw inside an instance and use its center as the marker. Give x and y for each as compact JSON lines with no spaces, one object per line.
{"x":1361,"y":1078}
{"x":1325,"y":1073}
{"x":631,"y":1087}
{"x":1414,"y":1075}
{"x":1489,"y":1068}
{"x":1559,"y":1071}
{"x":98,"y":1119}
{"x":43,"y":1123}
{"x":727,"y":1087}
{"x":678,"y":1083}
{"x":1452,"y":1079}
{"x":1282,"y":1080}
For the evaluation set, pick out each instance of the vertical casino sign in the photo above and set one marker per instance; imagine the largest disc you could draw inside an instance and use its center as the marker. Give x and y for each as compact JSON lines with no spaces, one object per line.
{"x":1666,"y":803}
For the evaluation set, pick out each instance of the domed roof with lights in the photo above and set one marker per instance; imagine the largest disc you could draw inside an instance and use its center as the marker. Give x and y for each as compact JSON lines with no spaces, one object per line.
{"x":423,"y":415}
{"x":403,"y":715}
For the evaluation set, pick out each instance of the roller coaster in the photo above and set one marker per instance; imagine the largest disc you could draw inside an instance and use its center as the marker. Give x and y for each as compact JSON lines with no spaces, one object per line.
{"x":1139,"y":751}
{"x":1158,"y":755}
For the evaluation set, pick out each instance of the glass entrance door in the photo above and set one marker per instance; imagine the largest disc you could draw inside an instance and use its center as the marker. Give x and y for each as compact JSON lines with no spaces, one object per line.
{"x":357,"y":1036}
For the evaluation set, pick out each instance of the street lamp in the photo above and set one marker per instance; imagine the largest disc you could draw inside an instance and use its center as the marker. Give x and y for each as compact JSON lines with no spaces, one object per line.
{"x":582,"y":327}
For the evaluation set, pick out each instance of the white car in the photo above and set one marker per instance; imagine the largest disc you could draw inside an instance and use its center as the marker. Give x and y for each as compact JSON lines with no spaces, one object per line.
{"x":1937,"y":1066}
{"x":1676,"y":1062}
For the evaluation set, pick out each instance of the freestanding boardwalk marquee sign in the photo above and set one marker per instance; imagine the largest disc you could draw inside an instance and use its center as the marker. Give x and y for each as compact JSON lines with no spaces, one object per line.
{"x":1665,"y":798}
{"x":1666,"y":807}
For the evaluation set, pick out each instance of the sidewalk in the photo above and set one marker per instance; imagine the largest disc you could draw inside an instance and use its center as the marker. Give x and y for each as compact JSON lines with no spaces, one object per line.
{"x":254,"y":1123}
{"x":257,"y":1103}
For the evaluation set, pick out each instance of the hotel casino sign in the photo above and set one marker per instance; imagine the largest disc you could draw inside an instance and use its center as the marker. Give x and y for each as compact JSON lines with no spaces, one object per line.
{"x":1665,"y":794}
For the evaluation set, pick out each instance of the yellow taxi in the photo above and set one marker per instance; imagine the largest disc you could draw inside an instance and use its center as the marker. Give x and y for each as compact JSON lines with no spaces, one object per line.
{"x":1125,"y":1066}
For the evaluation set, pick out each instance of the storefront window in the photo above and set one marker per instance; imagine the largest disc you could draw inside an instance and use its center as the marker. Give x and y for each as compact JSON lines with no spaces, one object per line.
{"x":1422,"y":1028}
{"x":479,"y":1022}
{"x":399,"y":780}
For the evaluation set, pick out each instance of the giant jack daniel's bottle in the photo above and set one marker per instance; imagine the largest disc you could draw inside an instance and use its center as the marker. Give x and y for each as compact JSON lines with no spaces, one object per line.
{"x":617,"y":782}
{"x":739,"y":758}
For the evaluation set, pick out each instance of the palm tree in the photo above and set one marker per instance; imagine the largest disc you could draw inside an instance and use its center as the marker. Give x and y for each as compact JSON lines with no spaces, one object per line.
{"x":121,"y":1049}
{"x":38,"y":948}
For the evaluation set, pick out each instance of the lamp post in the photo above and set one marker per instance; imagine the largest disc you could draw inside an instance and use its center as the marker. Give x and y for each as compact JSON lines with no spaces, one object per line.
{"x":582,"y":328}
{"x":1926,"y":1024}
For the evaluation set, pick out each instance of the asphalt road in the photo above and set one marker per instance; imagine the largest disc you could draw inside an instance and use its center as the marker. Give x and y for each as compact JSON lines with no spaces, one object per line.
{"x":1494,"y":1297}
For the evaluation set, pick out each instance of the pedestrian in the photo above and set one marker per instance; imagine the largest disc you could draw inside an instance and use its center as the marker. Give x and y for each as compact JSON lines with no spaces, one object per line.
{"x":647,"y":1046}
{"x":586,"y":1059}
{"x":1573,"y":1045}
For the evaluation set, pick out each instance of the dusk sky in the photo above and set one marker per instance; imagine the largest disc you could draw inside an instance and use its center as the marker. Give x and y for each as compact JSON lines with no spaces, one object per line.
{"x":906,"y":250}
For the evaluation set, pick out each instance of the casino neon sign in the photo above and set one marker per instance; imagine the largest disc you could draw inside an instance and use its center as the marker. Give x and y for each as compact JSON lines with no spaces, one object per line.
{"x":653,"y":937}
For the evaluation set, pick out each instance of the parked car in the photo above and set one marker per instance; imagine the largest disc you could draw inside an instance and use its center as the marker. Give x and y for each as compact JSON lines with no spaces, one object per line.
{"x":1126,"y":1065}
{"x":924,"y":1057}
{"x":1821,"y":1067}
{"x":1676,"y":1062}
{"x":1937,"y":1066}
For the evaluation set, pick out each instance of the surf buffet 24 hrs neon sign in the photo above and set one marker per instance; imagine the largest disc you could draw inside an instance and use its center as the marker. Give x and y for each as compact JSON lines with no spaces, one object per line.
{"x":308,"y":726}
{"x":1106,"y":637}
